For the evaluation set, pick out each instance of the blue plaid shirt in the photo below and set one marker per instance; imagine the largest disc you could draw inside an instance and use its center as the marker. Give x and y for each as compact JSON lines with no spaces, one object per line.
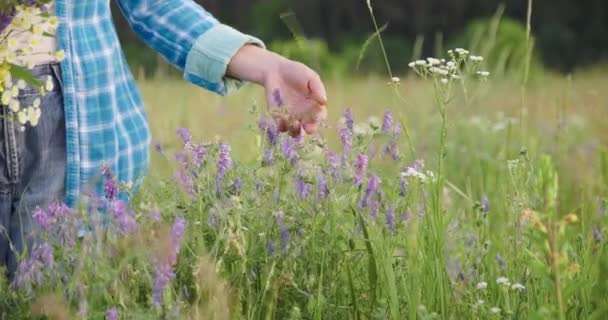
{"x":105,"y":119}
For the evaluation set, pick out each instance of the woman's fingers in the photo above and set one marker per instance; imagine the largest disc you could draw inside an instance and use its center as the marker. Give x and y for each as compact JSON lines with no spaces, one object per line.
{"x":295,"y":128}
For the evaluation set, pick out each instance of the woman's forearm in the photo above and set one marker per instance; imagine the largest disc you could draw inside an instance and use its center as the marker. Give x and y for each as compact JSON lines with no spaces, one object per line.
{"x":254,"y":64}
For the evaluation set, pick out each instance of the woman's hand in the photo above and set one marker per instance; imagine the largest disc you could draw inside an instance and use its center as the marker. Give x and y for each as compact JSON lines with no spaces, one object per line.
{"x":294,"y":92}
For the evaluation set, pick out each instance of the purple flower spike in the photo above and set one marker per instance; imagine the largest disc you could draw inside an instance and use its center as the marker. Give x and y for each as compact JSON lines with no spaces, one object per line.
{"x":126,"y":222}
{"x":43,"y":219}
{"x":387,"y":123}
{"x":346,"y":137}
{"x":372,"y":188}
{"x":349,"y":119}
{"x":322,"y":189}
{"x":289,"y":151}
{"x":224,"y":162}
{"x":360,"y":169}
{"x":403,"y":185}
{"x":163,"y":269}
{"x":199,"y":154}
{"x":485,"y":205}
{"x":303,"y":188}
{"x":373,"y":210}
{"x":110,"y":189}
{"x":184,"y":134}
{"x":112,"y":314}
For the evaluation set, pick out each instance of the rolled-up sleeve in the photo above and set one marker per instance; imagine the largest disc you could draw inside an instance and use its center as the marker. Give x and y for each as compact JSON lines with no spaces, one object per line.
{"x":189,"y":38}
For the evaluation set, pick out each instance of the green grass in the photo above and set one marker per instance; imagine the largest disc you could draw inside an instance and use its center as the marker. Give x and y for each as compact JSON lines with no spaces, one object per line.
{"x":341,"y":263}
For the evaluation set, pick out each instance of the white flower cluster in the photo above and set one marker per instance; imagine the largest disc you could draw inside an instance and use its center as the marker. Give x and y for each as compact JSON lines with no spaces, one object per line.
{"x":39,"y":24}
{"x":446,"y":70}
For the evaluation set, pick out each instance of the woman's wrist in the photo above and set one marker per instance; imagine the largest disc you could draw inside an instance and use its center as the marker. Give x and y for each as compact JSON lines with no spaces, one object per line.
{"x":254,"y":64}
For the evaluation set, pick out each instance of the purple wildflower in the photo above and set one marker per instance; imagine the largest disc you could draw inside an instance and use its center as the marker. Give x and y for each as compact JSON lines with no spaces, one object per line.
{"x":185,"y":181}
{"x":181,"y":158}
{"x":597,"y":235}
{"x":346,"y":137}
{"x":110,"y":189}
{"x":199,"y":153}
{"x":163,"y":269}
{"x":349,"y":119}
{"x":360,"y":169}
{"x":397,"y":130}
{"x":31,"y":269}
{"x":602,"y":208}
{"x":372,"y":188}
{"x":112,"y":314}
{"x":322,"y":189}
{"x":185,"y":135}
{"x":387,"y":123}
{"x":303,"y":188}
{"x":276,"y":98}
{"x":126,"y":222}
{"x":155,"y":215}
{"x":390,"y":218}
{"x":6,"y":19}
{"x":59,"y":209}
{"x":224,"y":162}
{"x":333,"y":164}
{"x":403,"y":185}
{"x":289,"y":151}
{"x":485,"y":205}
{"x":236,"y":186}
{"x":269,"y":126}
{"x":392,"y":149}
{"x":268,"y":157}
{"x":373,"y":210}
{"x":43,"y":219}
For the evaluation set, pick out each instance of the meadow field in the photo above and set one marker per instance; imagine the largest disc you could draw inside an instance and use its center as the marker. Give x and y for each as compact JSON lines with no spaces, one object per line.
{"x":376,"y":217}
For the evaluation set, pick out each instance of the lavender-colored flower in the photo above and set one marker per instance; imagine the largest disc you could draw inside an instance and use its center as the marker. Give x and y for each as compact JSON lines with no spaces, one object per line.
{"x":224,"y":162}
{"x":181,"y":158}
{"x":597,"y":235}
{"x":112,"y":314}
{"x":110,"y":189}
{"x":390,"y":218}
{"x":403,"y":185}
{"x":199,"y":154}
{"x":333,"y":164}
{"x":360,"y":169}
{"x":349,"y":120}
{"x":322,"y":189}
{"x":268,"y":157}
{"x":31,"y":269}
{"x":185,"y":181}
{"x":373,"y":210}
{"x":43,"y":219}
{"x":289,"y":151}
{"x":387,"y":123}
{"x":602,"y":208}
{"x":392,"y":149}
{"x":59,"y":209}
{"x":126,"y":222}
{"x":485,"y":205}
{"x":269,"y":126}
{"x":236,"y":186}
{"x":163,"y":269}
{"x":184,"y":134}
{"x":397,"y":130}
{"x":372,"y":188}
{"x":276,"y":98}
{"x":6,"y":18}
{"x":303,"y":188}
{"x":346,"y":137}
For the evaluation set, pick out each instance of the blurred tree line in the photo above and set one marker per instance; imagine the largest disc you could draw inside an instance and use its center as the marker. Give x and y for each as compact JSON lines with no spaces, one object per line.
{"x":567,"y":33}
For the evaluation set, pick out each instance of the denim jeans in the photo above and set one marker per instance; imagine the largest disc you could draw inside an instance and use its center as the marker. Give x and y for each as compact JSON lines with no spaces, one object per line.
{"x":32,"y":167}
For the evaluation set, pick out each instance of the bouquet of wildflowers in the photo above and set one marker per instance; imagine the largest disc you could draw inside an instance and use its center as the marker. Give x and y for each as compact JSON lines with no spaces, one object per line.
{"x":23,"y":17}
